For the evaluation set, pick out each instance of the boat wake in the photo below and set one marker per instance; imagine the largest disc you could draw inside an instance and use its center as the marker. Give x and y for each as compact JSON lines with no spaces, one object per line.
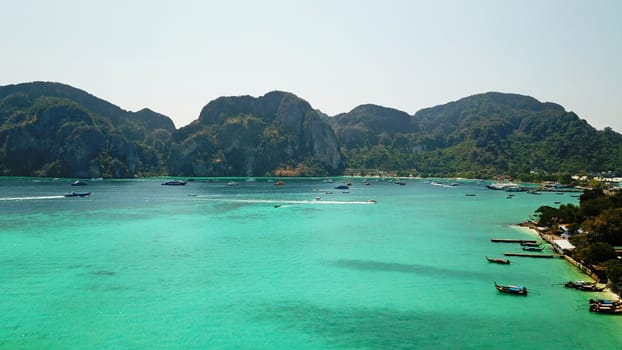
{"x":441,"y":185}
{"x":29,"y":198}
{"x":287,"y":202}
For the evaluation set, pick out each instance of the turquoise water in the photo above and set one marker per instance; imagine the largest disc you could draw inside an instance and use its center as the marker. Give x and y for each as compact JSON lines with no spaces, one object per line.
{"x":138,"y":265}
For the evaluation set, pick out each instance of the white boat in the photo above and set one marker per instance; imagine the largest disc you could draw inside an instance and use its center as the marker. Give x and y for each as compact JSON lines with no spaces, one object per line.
{"x":497,"y":186}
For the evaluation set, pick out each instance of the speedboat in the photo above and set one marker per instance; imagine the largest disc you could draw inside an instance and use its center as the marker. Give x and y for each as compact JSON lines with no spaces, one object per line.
{"x":77,"y":194}
{"x":79,"y":183}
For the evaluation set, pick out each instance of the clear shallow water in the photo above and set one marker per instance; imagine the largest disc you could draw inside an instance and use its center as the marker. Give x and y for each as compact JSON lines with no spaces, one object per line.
{"x":143,"y":266}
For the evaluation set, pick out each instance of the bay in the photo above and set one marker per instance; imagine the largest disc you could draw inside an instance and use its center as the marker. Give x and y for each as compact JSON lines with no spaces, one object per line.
{"x":137,"y":265}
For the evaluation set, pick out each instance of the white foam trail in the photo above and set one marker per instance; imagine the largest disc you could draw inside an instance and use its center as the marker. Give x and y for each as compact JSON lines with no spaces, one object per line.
{"x":29,"y":198}
{"x":441,"y":185}
{"x":287,"y":201}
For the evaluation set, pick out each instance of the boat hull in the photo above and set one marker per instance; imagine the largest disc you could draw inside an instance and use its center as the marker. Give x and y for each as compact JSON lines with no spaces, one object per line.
{"x":498,"y":261}
{"x":78,"y":194}
{"x":584,"y":286}
{"x":174,"y":183}
{"x":516,"y":290}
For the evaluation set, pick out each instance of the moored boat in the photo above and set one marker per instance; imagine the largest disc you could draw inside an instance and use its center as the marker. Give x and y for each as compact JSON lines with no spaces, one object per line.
{"x":584,"y":286}
{"x":603,"y":301}
{"x":498,"y":260}
{"x":342,"y":187}
{"x":174,"y":183}
{"x":496,"y":186}
{"x":614,"y":308}
{"x":514,"y":188}
{"x":506,"y":186}
{"x":533,"y":249}
{"x":518,"y":290}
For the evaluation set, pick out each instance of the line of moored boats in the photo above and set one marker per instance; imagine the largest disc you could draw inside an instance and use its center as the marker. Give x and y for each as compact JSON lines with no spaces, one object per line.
{"x":596,"y":305}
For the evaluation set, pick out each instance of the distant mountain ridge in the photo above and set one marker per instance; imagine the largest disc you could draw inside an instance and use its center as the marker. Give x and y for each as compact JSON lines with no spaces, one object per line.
{"x":52,"y":129}
{"x":480,"y":136}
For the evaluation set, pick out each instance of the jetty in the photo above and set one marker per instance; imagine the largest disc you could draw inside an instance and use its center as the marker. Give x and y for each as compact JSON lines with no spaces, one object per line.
{"x":527,"y":255}
{"x":510,"y":240}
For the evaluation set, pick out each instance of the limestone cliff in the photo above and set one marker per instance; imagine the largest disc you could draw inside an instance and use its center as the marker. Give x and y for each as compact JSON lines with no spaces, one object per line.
{"x":278,"y":133}
{"x":51,"y":129}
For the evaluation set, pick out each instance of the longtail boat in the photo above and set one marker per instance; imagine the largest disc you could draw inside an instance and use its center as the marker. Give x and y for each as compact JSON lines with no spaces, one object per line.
{"x":498,"y":260}
{"x":614,"y":308}
{"x":533,"y":249}
{"x":518,"y":290}
{"x":604,"y":301}
{"x":584,"y":286}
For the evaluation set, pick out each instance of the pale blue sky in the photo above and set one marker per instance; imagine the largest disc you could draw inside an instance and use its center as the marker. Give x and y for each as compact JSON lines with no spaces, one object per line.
{"x":176,"y":56}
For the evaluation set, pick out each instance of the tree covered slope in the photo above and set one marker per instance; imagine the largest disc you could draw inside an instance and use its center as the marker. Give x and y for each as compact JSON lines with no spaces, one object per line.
{"x":51,"y":129}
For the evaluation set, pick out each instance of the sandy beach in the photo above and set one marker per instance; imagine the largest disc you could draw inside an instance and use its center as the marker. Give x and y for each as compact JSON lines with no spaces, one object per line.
{"x":529,"y":228}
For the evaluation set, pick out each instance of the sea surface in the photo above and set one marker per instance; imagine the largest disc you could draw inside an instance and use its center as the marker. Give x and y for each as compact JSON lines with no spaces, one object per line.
{"x":138,"y":265}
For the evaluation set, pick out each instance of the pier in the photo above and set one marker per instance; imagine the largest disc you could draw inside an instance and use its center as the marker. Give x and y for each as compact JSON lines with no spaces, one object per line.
{"x":509,"y":240}
{"x":542,"y":256}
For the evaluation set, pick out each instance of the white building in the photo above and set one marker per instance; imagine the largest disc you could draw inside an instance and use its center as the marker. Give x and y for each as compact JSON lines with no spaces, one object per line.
{"x":563,"y":245}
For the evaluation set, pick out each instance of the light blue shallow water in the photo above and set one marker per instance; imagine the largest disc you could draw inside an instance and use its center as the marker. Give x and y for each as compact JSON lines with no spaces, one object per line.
{"x":138,"y":265}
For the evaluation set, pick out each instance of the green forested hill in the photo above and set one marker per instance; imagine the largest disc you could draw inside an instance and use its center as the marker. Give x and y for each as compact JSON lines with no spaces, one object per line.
{"x":480,"y":135}
{"x":31,"y":91}
{"x":276,"y":134}
{"x":51,"y":129}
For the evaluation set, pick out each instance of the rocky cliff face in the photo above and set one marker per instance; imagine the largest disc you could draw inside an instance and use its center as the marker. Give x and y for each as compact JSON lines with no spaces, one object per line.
{"x":277,"y":133}
{"x":50,"y":129}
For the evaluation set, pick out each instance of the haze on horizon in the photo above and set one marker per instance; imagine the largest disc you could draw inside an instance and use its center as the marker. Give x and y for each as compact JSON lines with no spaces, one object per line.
{"x":175,"y":57}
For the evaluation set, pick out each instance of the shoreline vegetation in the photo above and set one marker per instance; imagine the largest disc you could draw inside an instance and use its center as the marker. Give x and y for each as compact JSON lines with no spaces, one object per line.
{"x":593,"y":230}
{"x":548,"y":236}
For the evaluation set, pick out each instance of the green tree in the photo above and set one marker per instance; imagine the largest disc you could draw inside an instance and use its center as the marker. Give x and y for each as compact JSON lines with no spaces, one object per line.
{"x":613,"y":268}
{"x":607,"y":226}
{"x":595,"y":253}
{"x":593,"y":207}
{"x":547,"y":215}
